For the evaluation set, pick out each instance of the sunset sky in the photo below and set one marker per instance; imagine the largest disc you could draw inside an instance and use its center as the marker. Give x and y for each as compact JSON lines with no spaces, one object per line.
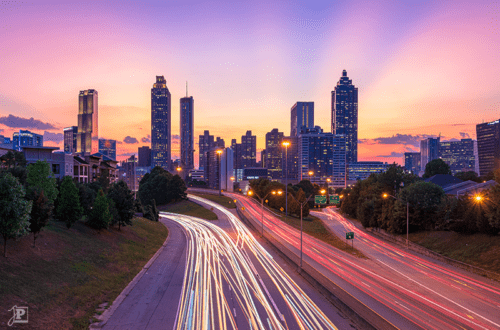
{"x":421,"y":68}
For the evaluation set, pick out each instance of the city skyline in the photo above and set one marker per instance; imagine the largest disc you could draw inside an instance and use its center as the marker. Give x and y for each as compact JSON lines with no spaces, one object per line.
{"x":412,"y":64}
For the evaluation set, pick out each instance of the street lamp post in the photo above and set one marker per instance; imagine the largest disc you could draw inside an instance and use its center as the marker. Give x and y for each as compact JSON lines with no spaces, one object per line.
{"x":328,"y":180}
{"x":219,"y":152}
{"x":407,"y":217}
{"x":274,"y":192}
{"x":301,"y":208}
{"x":286,"y":144}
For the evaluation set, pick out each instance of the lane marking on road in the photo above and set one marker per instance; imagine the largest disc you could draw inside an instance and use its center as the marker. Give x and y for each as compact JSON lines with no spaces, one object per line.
{"x":402,"y":305}
{"x":365,"y":284}
{"x":234,"y":311}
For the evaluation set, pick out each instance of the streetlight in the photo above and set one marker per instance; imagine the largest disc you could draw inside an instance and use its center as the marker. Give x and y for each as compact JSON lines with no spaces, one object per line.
{"x":310,"y":174}
{"x":328,"y":180}
{"x":219,"y":152}
{"x":274,"y":192}
{"x":407,"y":217}
{"x":301,"y":207}
{"x":286,"y":144}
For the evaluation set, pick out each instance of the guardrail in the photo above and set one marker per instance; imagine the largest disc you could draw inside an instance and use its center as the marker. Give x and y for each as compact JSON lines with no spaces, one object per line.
{"x":367,"y":317}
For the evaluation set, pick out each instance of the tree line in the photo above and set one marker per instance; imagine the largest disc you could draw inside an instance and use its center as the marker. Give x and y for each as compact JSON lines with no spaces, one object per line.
{"x":30,"y":197}
{"x":429,"y":207}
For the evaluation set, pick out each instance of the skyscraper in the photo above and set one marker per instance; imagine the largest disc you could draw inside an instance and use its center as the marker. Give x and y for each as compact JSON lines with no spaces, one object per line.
{"x":273,"y":154}
{"x":205,"y":143}
{"x":70,"y":136}
{"x":160,"y":124}
{"x":345,"y":115}
{"x":187,"y":133}
{"x":26,"y":139}
{"x":302,"y":114}
{"x":488,"y":146}
{"x":108,"y":148}
{"x":429,"y":150}
{"x":144,"y":157}
{"x":88,"y":130}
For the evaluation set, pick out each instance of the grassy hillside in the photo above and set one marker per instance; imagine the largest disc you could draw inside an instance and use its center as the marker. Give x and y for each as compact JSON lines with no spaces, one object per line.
{"x":189,"y":208}
{"x":222,"y":200}
{"x":72,"y":271}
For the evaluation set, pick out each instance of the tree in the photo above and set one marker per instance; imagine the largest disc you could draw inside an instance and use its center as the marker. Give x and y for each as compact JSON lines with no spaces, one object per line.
{"x":301,"y":197}
{"x":469,"y":175}
{"x":87,"y":196}
{"x":14,"y":209}
{"x":13,"y":159}
{"x":161,"y":186}
{"x":40,"y":177}
{"x":41,"y":212}
{"x":494,"y":210}
{"x":151,"y":212}
{"x":123,"y":199}
{"x":103,"y":180}
{"x":436,"y":166}
{"x":68,"y":208}
{"x":100,"y":217}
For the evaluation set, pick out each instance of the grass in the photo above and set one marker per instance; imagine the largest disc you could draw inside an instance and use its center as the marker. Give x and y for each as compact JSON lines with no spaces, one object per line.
{"x":189,"y":208}
{"x":479,"y":250}
{"x":222,"y":200}
{"x":315,"y":227}
{"x":70,"y":272}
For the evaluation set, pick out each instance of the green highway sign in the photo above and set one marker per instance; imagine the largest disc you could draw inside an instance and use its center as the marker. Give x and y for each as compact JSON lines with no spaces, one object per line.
{"x":334,"y":199}
{"x":349,"y":235}
{"x":320,"y":199}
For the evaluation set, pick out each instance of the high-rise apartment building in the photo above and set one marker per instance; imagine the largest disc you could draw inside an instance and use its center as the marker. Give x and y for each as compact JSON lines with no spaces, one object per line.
{"x":459,"y":155}
{"x":187,"y":132}
{"x":144,"y":157}
{"x":88,"y":129}
{"x":429,"y":150}
{"x":323,"y":155}
{"x":488,"y":146}
{"x":160,"y":124}
{"x":302,"y":115}
{"x":412,"y":162}
{"x":70,"y":136}
{"x":273,"y":154}
{"x":108,"y":148}
{"x":345,"y":115}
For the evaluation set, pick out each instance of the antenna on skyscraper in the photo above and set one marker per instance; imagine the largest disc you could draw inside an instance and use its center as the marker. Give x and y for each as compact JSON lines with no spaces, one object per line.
{"x":186,"y":88}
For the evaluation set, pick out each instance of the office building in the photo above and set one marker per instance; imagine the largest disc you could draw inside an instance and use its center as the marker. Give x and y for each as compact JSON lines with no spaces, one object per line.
{"x":273,"y":155}
{"x":362,"y":170}
{"x":88,"y":129}
{"x":108,"y":148}
{"x":429,"y":150}
{"x":218,"y":169}
{"x":161,"y":109}
{"x":488,"y":146}
{"x":144,"y":156}
{"x":205,"y":143}
{"x":70,"y":137}
{"x":412,"y":162}
{"x":245,"y":153}
{"x":302,"y":116}
{"x":345,"y":115}
{"x":459,"y":155}
{"x":219,"y":143}
{"x":187,"y":133}
{"x":291,"y":160}
{"x":324,"y":154}
{"x":26,"y":139}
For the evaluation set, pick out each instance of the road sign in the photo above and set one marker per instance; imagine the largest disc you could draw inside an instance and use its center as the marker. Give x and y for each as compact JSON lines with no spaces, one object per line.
{"x":349,"y":235}
{"x":282,"y":209}
{"x":334,"y":199}
{"x":320,"y":199}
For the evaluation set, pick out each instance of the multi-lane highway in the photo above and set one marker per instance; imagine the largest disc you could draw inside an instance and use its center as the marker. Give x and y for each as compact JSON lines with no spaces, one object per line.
{"x":408,"y":290}
{"x":232,"y":282}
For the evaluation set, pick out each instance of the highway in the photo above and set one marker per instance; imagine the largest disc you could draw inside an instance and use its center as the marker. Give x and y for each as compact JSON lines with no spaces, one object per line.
{"x":232,"y":282}
{"x":407,"y":290}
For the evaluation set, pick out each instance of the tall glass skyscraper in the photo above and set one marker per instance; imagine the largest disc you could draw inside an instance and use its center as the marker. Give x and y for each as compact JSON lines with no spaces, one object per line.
{"x":345,"y":115}
{"x":187,"y":134}
{"x":88,"y":129}
{"x":70,"y":138}
{"x":429,"y":150}
{"x":160,"y":124}
{"x":273,"y":158}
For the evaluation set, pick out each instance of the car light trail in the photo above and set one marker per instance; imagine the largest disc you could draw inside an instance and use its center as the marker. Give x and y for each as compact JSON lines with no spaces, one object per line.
{"x":218,"y":268}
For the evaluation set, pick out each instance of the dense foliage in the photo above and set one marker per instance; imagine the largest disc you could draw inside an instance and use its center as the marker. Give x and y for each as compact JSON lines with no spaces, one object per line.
{"x":161,"y":186}
{"x":68,"y":206}
{"x":429,"y":208}
{"x":123,"y":199}
{"x":41,"y":212}
{"x":436,"y":166}
{"x":100,"y":216}
{"x":40,"y":177}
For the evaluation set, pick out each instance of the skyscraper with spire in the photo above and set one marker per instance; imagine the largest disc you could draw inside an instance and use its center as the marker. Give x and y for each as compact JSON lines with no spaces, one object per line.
{"x":161,"y":124}
{"x":187,"y":133}
{"x":88,"y":131}
{"x":345,"y":115}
